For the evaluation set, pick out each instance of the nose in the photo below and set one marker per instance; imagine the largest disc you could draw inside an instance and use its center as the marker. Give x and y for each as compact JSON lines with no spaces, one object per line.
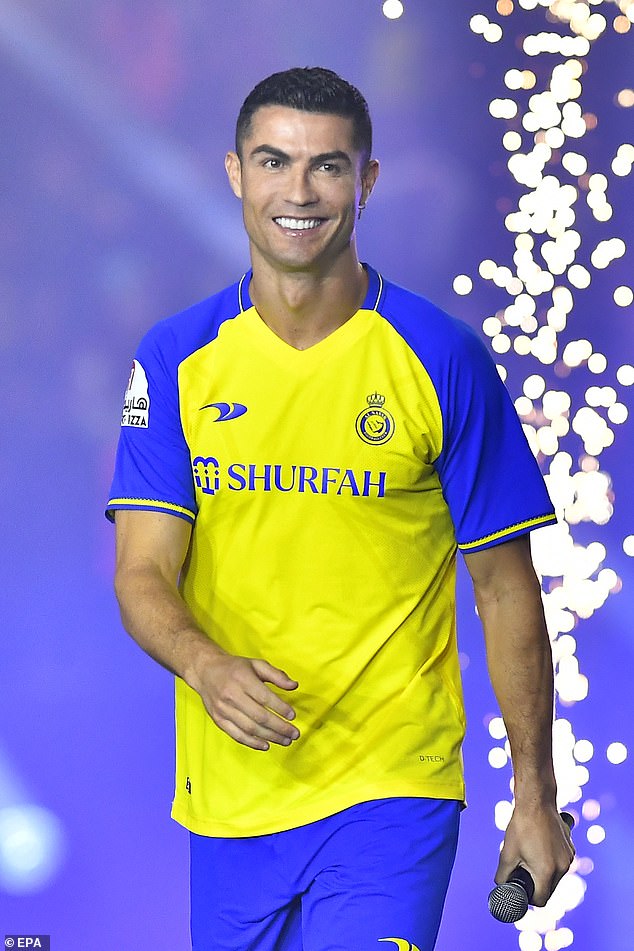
{"x":300,"y":188}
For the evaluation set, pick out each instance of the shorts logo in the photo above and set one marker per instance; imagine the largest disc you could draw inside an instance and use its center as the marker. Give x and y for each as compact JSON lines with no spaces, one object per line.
{"x":226,"y":410}
{"x":375,"y":425}
{"x":136,"y":404}
{"x":401,"y":944}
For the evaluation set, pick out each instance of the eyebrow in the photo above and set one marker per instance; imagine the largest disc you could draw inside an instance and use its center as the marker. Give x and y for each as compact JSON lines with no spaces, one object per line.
{"x":337,"y":155}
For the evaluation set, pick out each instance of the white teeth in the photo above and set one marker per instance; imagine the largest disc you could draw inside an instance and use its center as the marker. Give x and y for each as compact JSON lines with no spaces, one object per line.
{"x":298,"y":224}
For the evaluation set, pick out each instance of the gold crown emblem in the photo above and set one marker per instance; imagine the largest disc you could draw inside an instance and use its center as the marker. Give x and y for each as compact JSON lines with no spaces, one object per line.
{"x":375,"y":399}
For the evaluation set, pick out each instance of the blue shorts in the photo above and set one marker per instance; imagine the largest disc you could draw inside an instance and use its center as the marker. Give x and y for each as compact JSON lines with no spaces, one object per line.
{"x":370,"y":878}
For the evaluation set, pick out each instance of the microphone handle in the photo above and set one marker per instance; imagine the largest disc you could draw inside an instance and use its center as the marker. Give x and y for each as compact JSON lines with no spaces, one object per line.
{"x":522,"y":877}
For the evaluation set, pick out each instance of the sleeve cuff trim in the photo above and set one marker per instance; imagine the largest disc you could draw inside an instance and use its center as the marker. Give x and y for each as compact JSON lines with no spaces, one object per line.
{"x":151,"y":505}
{"x":516,"y":529}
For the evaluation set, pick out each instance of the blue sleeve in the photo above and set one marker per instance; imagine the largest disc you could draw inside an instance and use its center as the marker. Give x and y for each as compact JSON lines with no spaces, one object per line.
{"x":489,"y":476}
{"x":153,"y":467}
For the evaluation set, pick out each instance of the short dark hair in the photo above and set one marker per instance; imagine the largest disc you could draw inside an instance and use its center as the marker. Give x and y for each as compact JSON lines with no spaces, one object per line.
{"x":309,"y":89}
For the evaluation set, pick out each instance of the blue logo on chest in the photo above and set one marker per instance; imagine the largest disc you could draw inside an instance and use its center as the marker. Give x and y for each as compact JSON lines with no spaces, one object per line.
{"x":226,"y":410}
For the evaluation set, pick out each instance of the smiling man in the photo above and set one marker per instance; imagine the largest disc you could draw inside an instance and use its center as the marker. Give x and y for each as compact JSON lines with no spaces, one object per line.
{"x":302,"y":177}
{"x":301,"y":456}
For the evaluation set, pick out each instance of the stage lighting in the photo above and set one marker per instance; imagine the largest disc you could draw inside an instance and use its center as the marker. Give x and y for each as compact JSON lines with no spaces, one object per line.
{"x":563,"y":202}
{"x":31,"y":848}
{"x":393,"y":9}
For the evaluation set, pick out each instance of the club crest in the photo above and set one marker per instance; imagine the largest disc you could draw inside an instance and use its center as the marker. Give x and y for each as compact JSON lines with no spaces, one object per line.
{"x":374,"y":424}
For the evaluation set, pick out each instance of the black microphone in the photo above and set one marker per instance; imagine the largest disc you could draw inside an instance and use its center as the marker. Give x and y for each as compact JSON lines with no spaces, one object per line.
{"x":509,"y":902}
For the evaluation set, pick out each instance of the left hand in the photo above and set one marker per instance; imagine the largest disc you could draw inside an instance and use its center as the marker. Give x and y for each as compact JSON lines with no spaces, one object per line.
{"x":538,"y":839}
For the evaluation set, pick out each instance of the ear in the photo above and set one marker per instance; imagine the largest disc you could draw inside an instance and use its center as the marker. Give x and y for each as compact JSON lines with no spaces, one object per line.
{"x":234,"y":173}
{"x":369,"y":175}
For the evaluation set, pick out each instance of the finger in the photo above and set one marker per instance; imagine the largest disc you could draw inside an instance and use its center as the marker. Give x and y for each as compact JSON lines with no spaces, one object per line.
{"x":274,"y":675}
{"x":275,"y":704}
{"x":240,"y":736}
{"x":542,"y":894}
{"x":250,"y":696}
{"x":557,"y":876}
{"x":507,"y":864}
{"x":268,"y":698}
{"x":253,"y":718}
{"x":545,"y":889}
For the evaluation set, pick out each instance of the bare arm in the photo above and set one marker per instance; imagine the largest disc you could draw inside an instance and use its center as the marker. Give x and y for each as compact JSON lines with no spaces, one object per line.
{"x":519,"y":658}
{"x":151,"y":549}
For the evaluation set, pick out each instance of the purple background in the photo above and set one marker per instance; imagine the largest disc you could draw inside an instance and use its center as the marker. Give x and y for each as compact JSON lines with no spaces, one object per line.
{"x":115,"y":212}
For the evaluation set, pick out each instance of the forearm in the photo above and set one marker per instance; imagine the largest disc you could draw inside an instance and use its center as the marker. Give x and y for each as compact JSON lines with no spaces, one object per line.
{"x":155,"y":615}
{"x":520,"y":667}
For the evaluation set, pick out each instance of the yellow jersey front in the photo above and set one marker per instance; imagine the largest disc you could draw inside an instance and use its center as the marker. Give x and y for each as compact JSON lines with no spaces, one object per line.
{"x":328,"y":490}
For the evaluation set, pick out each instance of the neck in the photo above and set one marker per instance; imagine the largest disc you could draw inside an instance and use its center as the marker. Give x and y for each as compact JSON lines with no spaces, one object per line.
{"x":304,"y":307}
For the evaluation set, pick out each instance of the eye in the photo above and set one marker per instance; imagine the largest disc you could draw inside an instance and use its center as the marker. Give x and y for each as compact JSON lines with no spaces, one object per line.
{"x":272,"y":163}
{"x":331,"y":168}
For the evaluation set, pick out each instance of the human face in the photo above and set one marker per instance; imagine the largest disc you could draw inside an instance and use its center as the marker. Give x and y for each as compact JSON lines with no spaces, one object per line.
{"x":300,"y":180}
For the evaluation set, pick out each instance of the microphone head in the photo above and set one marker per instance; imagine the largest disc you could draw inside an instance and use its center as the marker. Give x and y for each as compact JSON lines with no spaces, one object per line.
{"x":508,"y":902}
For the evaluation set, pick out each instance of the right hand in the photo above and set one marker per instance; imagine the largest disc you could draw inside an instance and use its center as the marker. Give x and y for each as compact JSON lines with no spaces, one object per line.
{"x":237,"y":699}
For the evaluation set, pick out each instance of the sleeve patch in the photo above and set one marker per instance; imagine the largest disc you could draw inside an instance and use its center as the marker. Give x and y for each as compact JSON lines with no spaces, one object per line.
{"x":136,"y":403}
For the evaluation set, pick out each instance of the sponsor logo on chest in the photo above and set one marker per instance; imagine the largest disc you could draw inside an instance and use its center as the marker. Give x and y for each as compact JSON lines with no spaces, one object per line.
{"x":210,"y":476}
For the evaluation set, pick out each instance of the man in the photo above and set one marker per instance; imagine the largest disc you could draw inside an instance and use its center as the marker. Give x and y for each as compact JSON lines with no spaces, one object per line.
{"x":300,"y":456}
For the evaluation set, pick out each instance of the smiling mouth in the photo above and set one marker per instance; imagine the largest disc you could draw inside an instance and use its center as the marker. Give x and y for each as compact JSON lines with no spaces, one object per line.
{"x":299,"y":224}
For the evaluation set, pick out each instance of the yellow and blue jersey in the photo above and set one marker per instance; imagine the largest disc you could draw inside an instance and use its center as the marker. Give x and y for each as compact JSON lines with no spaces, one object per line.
{"x":328,"y":490}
